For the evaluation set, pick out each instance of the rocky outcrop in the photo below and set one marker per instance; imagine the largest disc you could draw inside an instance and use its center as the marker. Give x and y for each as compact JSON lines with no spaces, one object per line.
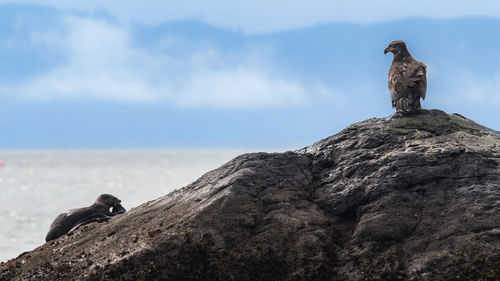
{"x":413,"y":198}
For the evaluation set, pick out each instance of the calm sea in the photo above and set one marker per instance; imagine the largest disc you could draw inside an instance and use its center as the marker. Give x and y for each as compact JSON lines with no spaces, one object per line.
{"x":35,"y":186}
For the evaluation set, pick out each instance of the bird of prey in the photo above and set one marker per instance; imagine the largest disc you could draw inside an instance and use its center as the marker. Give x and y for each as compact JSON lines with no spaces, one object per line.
{"x":407,"y":79}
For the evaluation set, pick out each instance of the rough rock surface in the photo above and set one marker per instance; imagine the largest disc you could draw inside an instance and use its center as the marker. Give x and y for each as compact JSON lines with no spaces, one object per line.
{"x":413,"y":198}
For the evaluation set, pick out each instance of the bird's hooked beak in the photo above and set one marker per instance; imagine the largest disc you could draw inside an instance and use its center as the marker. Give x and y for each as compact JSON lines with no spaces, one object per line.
{"x":387,"y":50}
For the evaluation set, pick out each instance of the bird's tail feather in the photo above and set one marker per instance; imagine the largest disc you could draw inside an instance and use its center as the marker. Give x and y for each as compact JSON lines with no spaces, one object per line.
{"x":408,"y":104}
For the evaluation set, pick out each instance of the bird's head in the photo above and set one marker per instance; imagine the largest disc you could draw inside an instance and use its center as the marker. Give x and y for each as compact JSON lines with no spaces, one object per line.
{"x":398,"y":48}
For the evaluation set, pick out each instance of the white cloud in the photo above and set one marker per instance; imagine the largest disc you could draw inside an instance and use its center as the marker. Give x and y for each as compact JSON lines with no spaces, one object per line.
{"x":473,"y":89}
{"x":482,"y":90}
{"x":104,"y":64}
{"x":241,"y":87}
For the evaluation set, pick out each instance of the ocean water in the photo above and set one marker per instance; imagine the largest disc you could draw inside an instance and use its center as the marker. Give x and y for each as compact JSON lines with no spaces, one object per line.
{"x":35,"y":186}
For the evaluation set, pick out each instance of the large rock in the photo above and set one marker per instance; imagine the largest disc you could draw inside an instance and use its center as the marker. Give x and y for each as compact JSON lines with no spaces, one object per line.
{"x":414,"y":198}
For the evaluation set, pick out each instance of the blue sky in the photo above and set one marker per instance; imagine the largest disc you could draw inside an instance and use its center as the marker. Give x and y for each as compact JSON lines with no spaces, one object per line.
{"x":224,"y":74}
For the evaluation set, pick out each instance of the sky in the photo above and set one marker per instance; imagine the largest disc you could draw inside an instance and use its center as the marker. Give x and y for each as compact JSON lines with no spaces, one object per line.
{"x":230,"y":74}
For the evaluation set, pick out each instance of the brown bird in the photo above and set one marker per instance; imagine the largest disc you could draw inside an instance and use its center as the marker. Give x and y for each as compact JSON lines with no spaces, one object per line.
{"x":407,"y":79}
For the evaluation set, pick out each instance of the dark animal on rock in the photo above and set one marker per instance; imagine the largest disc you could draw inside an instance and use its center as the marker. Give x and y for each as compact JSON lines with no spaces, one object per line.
{"x":407,"y":79}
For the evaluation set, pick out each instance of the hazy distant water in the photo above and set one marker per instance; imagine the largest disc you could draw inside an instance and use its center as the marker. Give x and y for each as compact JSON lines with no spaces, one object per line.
{"x":35,"y":186}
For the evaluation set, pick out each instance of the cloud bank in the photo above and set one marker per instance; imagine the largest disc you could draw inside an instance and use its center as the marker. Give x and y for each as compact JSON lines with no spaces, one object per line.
{"x":102,"y":62}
